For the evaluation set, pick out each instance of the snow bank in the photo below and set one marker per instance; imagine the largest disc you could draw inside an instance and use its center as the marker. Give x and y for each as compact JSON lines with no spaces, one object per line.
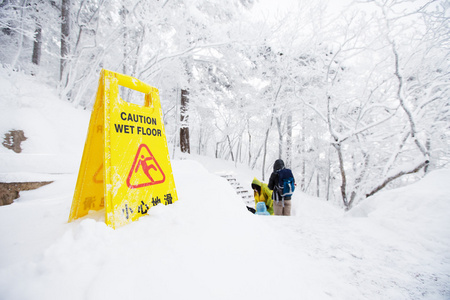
{"x":55,"y":131}
{"x":410,"y":226}
{"x":205,"y":246}
{"x":420,"y":209}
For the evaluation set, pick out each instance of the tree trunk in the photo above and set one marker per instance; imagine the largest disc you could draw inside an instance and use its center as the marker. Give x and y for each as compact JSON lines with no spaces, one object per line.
{"x":289,"y":141}
{"x":402,"y":101}
{"x":329,"y":174}
{"x":239,"y":150}
{"x":217,"y":150}
{"x":428,"y":147}
{"x":359,"y":179}
{"x":268,"y":131}
{"x":265,"y":152}
{"x":249,"y":144}
{"x":20,"y":41}
{"x":123,"y":14}
{"x":280,"y":137}
{"x":200,"y":141}
{"x":317,"y":184}
{"x":65,"y":32}
{"x":231,"y":147}
{"x":184,"y":126}
{"x":303,"y":153}
{"x":344,"y":177}
{"x":37,"y":45}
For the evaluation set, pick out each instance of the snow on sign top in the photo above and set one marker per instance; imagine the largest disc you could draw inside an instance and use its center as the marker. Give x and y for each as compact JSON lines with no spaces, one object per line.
{"x":125,"y":166}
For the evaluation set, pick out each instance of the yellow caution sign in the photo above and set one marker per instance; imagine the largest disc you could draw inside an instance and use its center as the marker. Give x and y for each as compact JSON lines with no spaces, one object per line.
{"x":125,"y":166}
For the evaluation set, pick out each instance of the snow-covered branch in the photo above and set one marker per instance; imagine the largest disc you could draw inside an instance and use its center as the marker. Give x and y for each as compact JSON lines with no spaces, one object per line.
{"x":391,"y":178}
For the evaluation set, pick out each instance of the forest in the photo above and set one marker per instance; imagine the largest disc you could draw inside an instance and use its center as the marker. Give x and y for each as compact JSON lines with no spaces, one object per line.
{"x":354,"y":101}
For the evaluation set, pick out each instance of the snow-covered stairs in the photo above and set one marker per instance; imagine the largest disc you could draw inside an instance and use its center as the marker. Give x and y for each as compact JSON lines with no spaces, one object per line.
{"x":246,"y":195}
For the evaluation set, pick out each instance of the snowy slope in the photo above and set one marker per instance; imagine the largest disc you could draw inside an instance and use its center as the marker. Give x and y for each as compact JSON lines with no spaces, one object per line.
{"x":55,"y":131}
{"x":395,"y":245}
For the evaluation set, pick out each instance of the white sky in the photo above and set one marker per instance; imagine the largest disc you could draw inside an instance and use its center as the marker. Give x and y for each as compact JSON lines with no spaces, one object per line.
{"x":277,"y":9}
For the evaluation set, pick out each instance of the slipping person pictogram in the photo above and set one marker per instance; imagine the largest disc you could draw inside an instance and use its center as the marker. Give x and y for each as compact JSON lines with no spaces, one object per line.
{"x":145,"y":170}
{"x":145,"y":167}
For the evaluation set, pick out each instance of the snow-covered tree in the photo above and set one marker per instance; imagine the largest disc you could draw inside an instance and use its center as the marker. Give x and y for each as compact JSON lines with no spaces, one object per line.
{"x":353,"y":103}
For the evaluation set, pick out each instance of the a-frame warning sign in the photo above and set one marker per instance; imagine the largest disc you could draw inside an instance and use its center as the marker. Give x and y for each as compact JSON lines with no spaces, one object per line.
{"x":125,"y":166}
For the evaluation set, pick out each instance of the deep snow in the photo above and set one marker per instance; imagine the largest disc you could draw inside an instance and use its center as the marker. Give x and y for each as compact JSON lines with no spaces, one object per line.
{"x":395,"y":245}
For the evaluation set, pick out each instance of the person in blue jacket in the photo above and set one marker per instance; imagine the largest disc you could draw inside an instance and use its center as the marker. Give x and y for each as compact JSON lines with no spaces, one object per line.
{"x":281,"y":205}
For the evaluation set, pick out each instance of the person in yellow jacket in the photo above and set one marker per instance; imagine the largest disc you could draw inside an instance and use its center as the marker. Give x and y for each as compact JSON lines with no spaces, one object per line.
{"x":262,"y":193}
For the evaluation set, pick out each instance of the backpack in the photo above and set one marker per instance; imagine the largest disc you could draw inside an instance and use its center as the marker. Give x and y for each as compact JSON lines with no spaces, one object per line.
{"x":261,"y":209}
{"x":286,"y":183}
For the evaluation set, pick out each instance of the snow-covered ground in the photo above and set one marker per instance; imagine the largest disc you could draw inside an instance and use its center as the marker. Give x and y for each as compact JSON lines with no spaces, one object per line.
{"x":395,"y":245}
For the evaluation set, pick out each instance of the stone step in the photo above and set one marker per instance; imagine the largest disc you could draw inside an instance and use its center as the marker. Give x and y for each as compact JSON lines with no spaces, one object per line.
{"x":244,"y":193}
